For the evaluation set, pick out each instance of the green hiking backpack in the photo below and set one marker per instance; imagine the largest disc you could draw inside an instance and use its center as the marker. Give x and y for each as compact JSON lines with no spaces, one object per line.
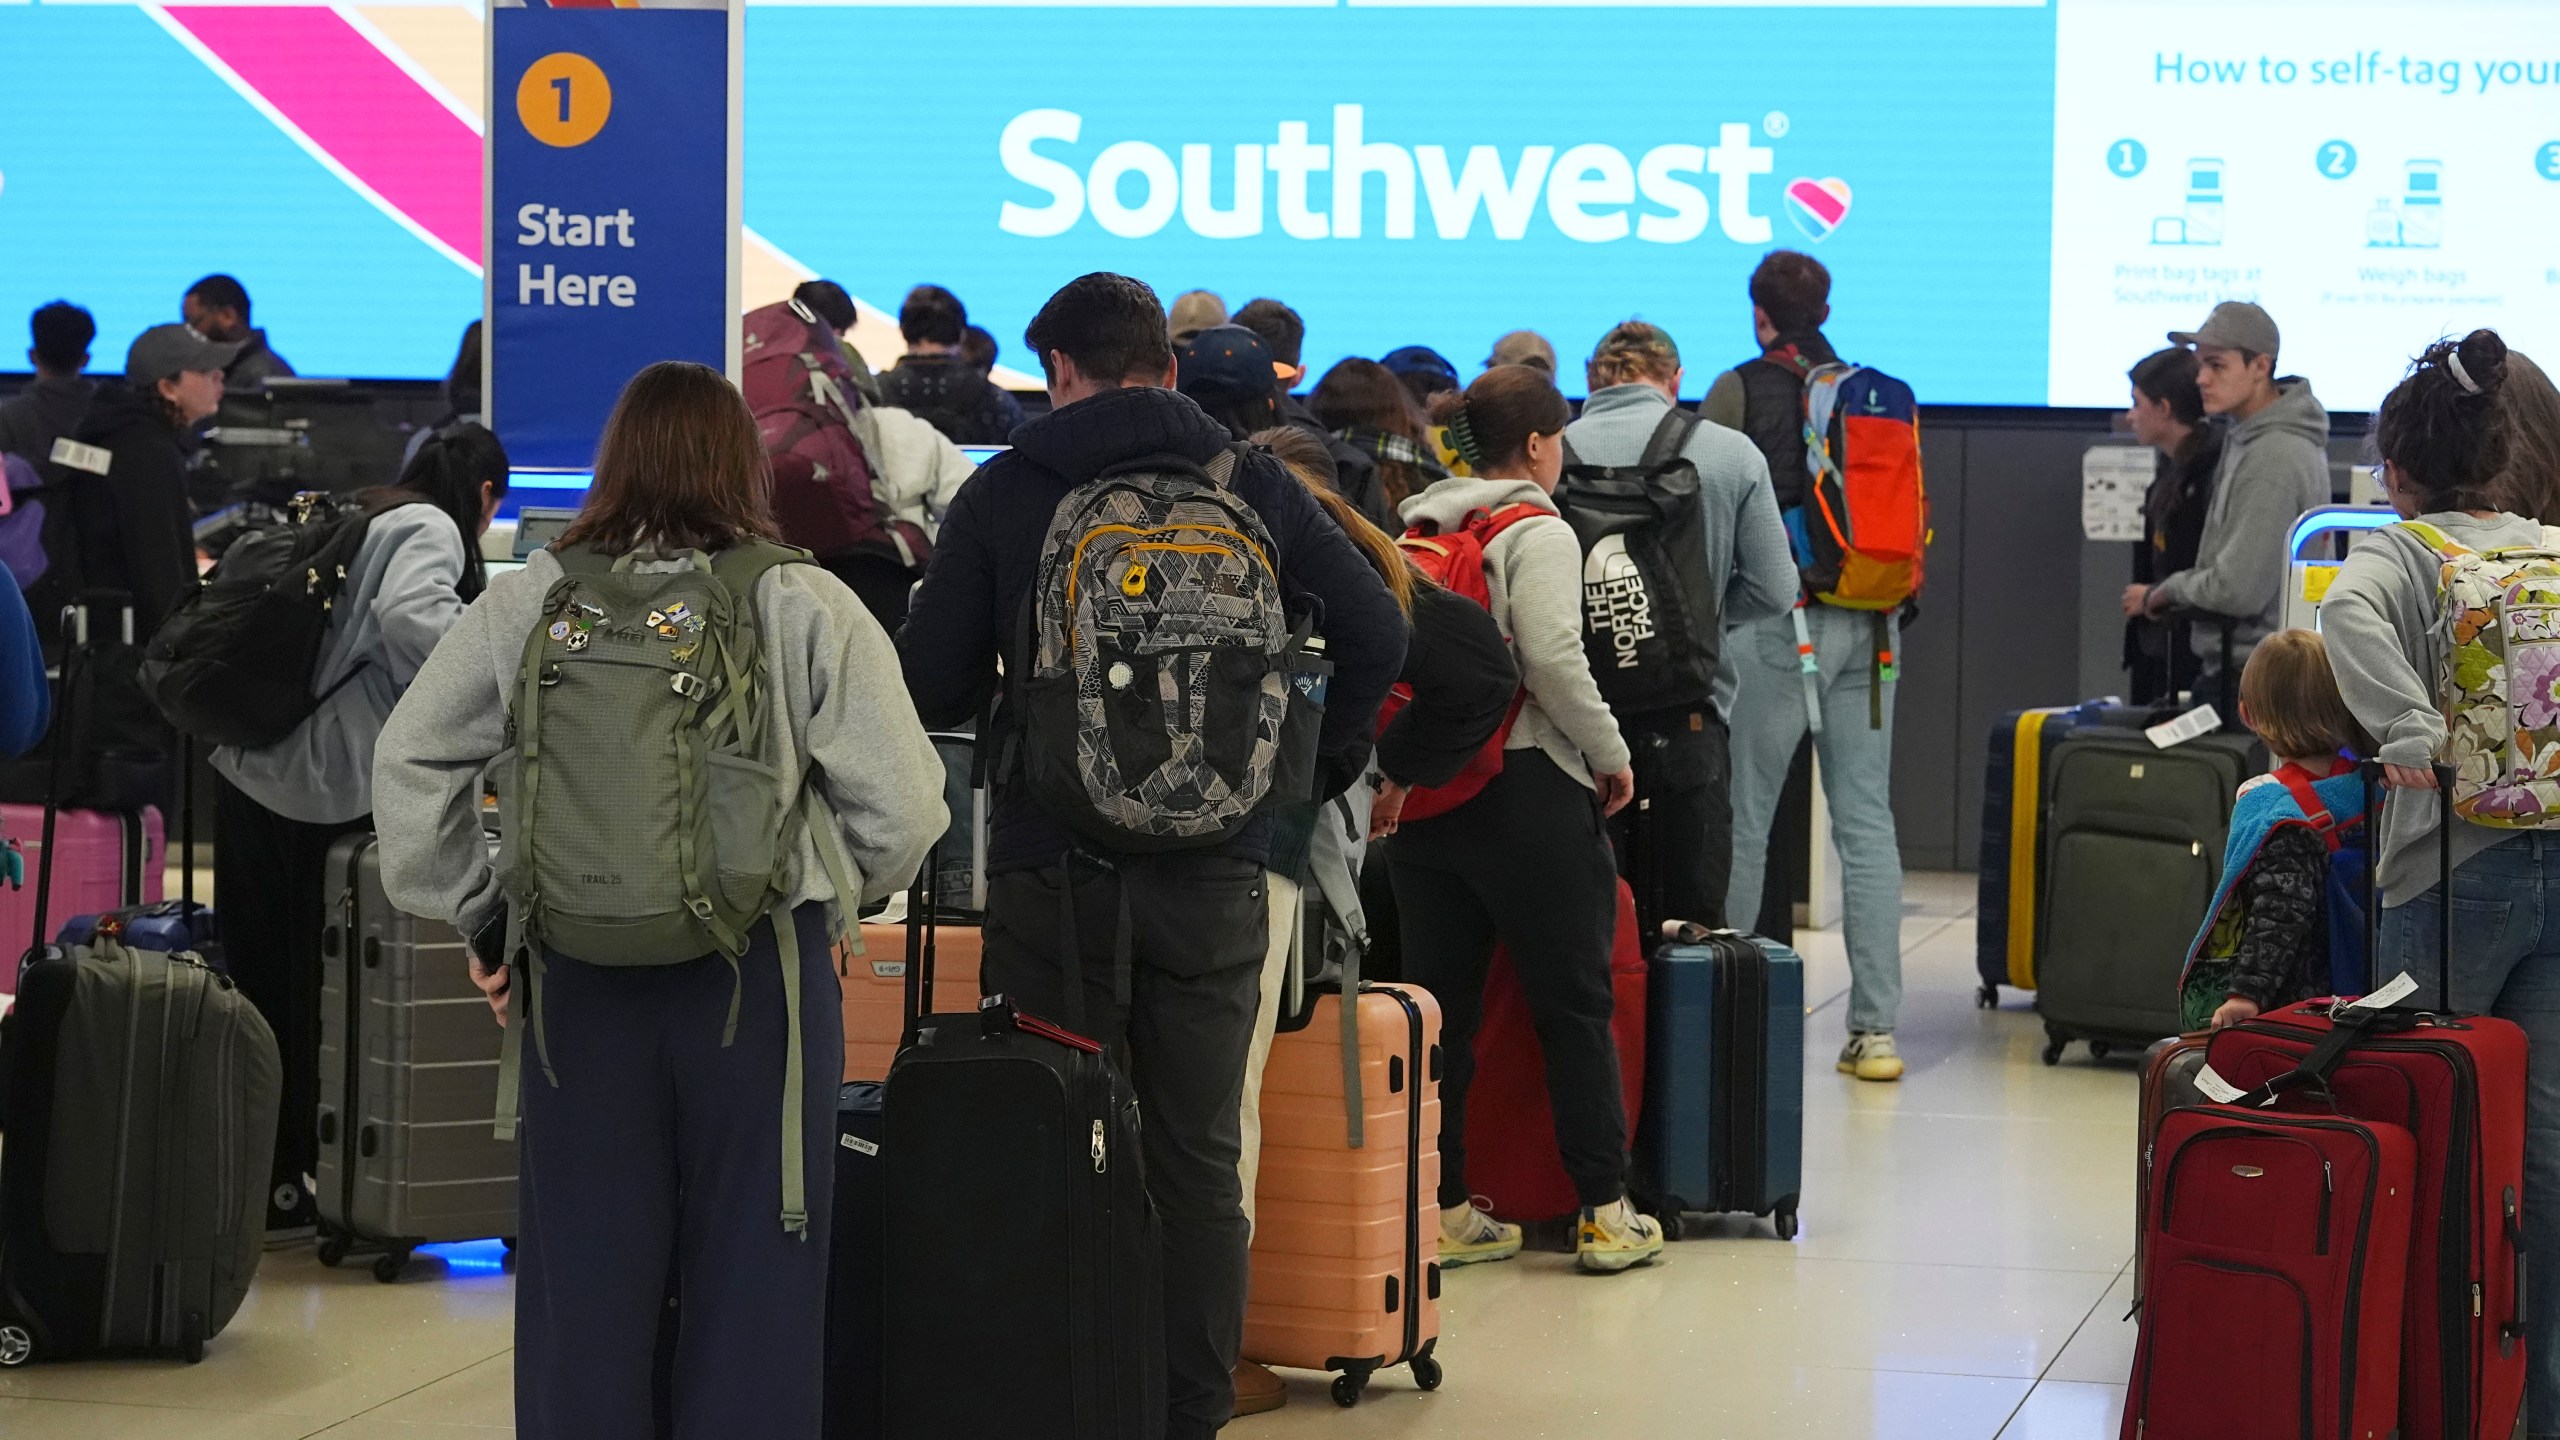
{"x":638,"y":823}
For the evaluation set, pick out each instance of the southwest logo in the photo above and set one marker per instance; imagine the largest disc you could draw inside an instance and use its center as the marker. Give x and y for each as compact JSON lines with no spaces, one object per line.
{"x":1818,"y":206}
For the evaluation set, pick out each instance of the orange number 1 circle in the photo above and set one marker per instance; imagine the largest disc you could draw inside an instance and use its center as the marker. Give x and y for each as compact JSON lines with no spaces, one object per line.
{"x":563,"y":99}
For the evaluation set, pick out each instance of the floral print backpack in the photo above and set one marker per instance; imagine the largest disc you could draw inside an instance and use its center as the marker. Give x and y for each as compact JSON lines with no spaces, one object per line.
{"x":2500,"y":685}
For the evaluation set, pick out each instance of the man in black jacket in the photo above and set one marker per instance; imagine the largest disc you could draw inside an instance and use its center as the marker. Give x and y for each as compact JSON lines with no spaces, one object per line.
{"x":1197,"y":923}
{"x":935,"y":380}
{"x":53,"y":402}
{"x":1355,"y":469}
{"x":217,"y":307}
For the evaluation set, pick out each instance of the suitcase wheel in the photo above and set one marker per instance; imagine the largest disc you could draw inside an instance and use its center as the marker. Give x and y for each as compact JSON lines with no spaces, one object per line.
{"x":17,"y":1347}
{"x":2100,"y":1049}
{"x":1988,"y":997}
{"x":1348,"y":1385}
{"x":333,"y":1251}
{"x":1426,"y":1373}
{"x":387,"y":1266}
{"x":1785,"y":1222}
{"x":2053,"y":1049}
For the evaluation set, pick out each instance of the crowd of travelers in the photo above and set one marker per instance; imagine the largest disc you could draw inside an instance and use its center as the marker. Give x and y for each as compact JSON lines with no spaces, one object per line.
{"x":649,"y":1124}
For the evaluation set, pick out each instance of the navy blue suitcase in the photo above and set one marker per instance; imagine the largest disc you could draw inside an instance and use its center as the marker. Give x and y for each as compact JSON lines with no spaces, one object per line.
{"x":2008,"y":881}
{"x":1723,"y":1125}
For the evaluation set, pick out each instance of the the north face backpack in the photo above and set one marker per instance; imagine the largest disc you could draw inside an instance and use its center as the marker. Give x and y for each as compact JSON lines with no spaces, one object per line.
{"x":233,"y":663}
{"x":801,"y":388}
{"x":638,"y":822}
{"x":1166,"y":698}
{"x":1862,"y":534}
{"x":1650,"y":614}
{"x":2499,"y":685}
{"x":1454,"y":561}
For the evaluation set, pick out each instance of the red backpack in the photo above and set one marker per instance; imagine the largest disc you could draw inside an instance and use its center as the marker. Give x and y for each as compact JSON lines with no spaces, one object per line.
{"x":800,"y":387}
{"x":1455,"y":562}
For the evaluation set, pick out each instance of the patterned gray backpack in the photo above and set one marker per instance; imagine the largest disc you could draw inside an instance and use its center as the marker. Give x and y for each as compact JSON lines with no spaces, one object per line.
{"x":1166,"y":697}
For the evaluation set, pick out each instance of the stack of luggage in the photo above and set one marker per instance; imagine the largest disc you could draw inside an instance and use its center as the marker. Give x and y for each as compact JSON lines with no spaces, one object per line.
{"x":2332,"y":1237}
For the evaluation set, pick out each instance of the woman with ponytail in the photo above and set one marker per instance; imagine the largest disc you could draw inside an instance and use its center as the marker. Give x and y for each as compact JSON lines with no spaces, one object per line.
{"x":280,"y":807}
{"x":1526,"y":863}
{"x":2445,"y":437}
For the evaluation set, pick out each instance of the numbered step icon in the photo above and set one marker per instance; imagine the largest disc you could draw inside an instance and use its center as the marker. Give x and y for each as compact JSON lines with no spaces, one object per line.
{"x":2126,"y":158}
{"x":2546,"y":160}
{"x":564,"y":99}
{"x":2336,"y":159}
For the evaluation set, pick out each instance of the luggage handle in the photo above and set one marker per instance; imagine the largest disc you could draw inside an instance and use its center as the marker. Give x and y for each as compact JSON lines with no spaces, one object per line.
{"x":2229,"y":709}
{"x":2376,"y":793}
{"x":2511,"y":1334}
{"x":918,"y":990}
{"x":75,"y":632}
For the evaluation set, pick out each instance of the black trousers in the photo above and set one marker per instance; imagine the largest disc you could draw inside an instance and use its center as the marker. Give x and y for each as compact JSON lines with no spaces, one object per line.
{"x":273,"y":908}
{"x":1675,"y":843}
{"x":1524,"y":863}
{"x":1197,"y":927}
{"x":654,"y":1167}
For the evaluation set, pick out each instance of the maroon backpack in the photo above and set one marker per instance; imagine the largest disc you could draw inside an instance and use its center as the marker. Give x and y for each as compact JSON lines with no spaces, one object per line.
{"x":800,"y":387}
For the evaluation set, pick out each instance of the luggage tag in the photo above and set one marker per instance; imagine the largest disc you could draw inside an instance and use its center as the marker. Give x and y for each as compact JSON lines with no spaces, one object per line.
{"x":2213,"y":1087}
{"x":2400,"y":988}
{"x":2194,"y":725}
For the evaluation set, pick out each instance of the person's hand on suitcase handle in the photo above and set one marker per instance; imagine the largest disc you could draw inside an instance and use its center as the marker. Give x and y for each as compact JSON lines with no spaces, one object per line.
{"x":2408,"y":777}
{"x":490,"y":939}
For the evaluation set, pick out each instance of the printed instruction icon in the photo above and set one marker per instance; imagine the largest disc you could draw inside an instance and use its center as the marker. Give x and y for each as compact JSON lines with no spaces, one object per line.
{"x":2200,"y":222}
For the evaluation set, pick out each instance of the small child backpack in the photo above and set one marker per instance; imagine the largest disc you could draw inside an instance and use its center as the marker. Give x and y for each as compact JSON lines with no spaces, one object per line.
{"x":2499,"y":683}
{"x":1166,"y":698}
{"x":638,"y":822}
{"x":1454,"y":561}
{"x":1862,"y":535}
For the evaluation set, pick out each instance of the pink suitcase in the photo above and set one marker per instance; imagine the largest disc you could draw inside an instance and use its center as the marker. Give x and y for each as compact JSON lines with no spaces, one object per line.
{"x":103,"y":860}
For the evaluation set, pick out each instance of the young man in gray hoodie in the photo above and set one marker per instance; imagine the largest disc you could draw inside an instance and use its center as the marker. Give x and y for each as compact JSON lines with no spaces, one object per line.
{"x":2275,"y":465}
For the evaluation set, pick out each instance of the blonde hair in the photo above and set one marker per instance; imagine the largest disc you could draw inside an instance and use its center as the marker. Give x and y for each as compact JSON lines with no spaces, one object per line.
{"x":1631,"y":353}
{"x":1312,"y":464}
{"x":2290,"y":697}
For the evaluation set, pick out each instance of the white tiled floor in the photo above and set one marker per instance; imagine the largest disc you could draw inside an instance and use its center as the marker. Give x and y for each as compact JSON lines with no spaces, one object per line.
{"x":1961,"y":1273}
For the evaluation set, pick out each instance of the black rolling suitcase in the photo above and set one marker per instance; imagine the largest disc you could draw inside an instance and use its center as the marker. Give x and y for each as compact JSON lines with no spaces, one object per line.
{"x":1049,"y":1322}
{"x":2134,"y":840}
{"x":857,"y":1320}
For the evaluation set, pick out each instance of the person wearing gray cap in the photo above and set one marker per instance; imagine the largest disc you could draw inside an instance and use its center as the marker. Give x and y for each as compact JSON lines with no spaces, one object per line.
{"x":137,"y":531}
{"x":1523,"y":347}
{"x":1194,"y":311}
{"x":2275,"y":465}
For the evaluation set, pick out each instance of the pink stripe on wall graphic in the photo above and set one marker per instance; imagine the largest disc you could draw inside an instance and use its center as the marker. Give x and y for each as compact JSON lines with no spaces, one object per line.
{"x":356,"y":105}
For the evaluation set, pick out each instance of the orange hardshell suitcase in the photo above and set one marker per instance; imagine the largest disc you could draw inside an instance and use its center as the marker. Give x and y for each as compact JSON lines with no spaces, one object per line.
{"x":1346,"y":1241}
{"x":875,"y":987}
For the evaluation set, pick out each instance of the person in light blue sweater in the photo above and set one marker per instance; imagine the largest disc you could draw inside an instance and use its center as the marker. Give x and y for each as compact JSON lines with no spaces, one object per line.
{"x":26,"y":704}
{"x":279,"y":808}
{"x":1682,"y":756}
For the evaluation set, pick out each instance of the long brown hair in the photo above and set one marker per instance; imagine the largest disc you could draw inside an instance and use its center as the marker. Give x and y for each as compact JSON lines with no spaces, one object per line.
{"x":1308,"y":460}
{"x":2531,"y":485}
{"x":679,"y":467}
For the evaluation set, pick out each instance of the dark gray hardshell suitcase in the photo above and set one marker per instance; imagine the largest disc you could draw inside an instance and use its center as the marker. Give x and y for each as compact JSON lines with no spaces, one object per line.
{"x":1723,"y":1126}
{"x":2134,"y":840}
{"x":408,"y":1079}
{"x":140,"y":1104}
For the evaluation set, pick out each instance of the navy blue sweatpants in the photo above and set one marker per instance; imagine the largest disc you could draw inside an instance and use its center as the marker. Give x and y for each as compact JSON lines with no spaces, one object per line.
{"x":658,"y":1147}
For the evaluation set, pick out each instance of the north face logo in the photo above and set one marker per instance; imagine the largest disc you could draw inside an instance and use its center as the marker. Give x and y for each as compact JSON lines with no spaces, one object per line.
{"x":1614,"y":600}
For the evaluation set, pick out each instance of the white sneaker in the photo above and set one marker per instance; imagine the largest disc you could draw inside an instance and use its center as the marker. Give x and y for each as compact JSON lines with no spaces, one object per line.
{"x":1615,"y":1237}
{"x":1469,"y":1235}
{"x":1871,"y":1056}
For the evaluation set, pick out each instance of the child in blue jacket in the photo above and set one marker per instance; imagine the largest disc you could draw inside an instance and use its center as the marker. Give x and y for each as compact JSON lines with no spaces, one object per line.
{"x":2266,"y":941}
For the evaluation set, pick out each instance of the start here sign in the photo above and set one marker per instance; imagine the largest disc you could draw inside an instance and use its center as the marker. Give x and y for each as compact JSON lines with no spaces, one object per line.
{"x":613,"y":214}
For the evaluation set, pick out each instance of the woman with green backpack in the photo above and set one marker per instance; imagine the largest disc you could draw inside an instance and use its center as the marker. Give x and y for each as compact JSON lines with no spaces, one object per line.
{"x":2442,"y":653}
{"x":701,"y":748}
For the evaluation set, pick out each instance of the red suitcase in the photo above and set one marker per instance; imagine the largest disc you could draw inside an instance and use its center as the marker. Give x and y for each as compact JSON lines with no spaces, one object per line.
{"x":2275,"y":1255}
{"x":1511,"y":1132}
{"x":2457,"y":1082}
{"x":103,"y":860}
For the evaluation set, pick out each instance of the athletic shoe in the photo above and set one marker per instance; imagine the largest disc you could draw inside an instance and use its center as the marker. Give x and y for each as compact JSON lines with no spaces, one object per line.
{"x":1871,"y":1056}
{"x":1615,"y":1237}
{"x":1257,"y":1389}
{"x":1469,"y":1235}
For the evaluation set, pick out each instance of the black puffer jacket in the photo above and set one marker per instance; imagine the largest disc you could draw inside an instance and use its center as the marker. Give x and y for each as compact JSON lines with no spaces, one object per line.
{"x":137,"y":531}
{"x":952,"y":397}
{"x":1462,"y":676}
{"x":970,"y":606}
{"x":1355,"y":471}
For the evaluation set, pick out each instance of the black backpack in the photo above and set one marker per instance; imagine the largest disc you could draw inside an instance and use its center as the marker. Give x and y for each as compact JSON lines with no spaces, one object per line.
{"x":232,"y":665}
{"x":1651,"y":621}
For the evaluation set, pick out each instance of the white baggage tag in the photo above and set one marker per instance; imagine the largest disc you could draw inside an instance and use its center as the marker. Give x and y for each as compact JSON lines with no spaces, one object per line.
{"x":2213,"y":1087}
{"x":2389,"y":995}
{"x":2201,"y":721}
{"x":858,"y":1145}
{"x":93,"y":458}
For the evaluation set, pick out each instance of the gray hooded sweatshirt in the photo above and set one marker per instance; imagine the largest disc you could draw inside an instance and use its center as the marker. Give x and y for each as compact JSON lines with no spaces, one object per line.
{"x":834,"y":685}
{"x":1534,"y":570}
{"x":2275,"y":465}
{"x":2388,"y":635}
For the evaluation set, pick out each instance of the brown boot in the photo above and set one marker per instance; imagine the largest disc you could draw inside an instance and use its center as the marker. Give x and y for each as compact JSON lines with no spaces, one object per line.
{"x":1258,"y":1390}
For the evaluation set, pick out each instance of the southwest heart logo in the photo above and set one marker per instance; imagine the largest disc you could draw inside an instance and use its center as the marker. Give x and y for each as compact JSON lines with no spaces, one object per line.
{"x":1818,"y":206}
